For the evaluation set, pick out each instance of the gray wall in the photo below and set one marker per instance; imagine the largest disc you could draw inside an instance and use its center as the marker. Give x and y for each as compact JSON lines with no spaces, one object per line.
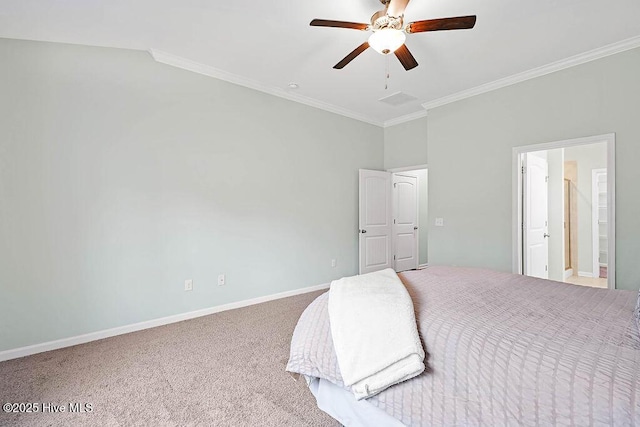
{"x":121,"y":177}
{"x":469,"y":150}
{"x":587,"y":158}
{"x":405,"y":144}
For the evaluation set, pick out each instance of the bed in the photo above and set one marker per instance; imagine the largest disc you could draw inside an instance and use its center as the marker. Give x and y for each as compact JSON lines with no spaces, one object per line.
{"x":502,"y":349}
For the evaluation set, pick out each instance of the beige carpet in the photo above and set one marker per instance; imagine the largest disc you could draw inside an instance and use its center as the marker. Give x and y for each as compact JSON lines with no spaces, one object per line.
{"x":226,"y":369}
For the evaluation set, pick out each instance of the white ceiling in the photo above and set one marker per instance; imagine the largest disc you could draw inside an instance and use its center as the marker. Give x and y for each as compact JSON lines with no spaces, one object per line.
{"x":266,"y":45}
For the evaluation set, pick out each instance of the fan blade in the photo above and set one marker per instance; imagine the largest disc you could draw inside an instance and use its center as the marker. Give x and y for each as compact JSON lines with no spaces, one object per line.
{"x":406,"y":58}
{"x":458,"y":23}
{"x":357,"y":51}
{"x":338,"y":24}
{"x":396,"y":7}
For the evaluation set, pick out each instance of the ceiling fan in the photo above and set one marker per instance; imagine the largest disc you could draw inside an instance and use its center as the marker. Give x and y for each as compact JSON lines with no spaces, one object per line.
{"x":389,"y":34}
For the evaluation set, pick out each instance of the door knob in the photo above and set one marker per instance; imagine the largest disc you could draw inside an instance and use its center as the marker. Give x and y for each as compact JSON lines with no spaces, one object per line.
{"x":363,"y":231}
{"x":546,"y":235}
{"x":415,"y":228}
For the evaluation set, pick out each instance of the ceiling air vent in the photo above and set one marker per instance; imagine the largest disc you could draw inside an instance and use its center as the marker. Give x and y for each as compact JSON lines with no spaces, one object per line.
{"x":397,"y":99}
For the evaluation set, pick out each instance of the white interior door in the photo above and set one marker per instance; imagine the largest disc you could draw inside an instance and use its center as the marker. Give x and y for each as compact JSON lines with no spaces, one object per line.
{"x":375,"y":221}
{"x":405,"y":222}
{"x":536,"y":217}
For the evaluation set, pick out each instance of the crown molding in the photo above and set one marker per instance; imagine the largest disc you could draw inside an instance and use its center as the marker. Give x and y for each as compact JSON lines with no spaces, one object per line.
{"x":572,"y":61}
{"x":186,"y":64}
{"x":592,"y":55}
{"x":405,"y":118}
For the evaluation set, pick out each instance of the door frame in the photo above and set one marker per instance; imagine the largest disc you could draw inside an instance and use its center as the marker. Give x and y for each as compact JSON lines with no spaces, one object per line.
{"x":595,"y":229}
{"x":516,"y":197}
{"x":408,"y":168}
{"x":411,"y":169}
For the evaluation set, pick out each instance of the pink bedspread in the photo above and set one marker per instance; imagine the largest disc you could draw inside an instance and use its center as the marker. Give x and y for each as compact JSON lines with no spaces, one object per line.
{"x":502,"y":349}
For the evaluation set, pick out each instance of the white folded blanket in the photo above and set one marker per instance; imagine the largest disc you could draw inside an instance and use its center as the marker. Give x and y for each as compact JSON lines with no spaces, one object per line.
{"x":374,"y":332}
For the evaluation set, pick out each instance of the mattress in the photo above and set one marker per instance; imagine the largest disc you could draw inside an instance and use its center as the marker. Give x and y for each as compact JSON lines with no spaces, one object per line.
{"x":503,"y":349}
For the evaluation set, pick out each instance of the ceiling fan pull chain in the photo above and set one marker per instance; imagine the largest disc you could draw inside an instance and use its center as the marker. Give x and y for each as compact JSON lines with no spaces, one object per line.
{"x":386,"y":72}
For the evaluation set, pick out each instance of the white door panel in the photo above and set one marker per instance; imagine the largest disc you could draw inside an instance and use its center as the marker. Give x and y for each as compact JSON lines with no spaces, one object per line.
{"x":405,"y":227}
{"x":536,"y":242}
{"x":537,"y":260}
{"x":375,"y":221}
{"x":406,"y":212}
{"x":376,"y":188}
{"x":405,"y":247}
{"x":377,"y":250}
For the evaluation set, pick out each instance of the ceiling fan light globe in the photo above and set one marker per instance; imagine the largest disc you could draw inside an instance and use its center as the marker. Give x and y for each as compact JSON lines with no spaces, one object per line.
{"x":387,"y":40}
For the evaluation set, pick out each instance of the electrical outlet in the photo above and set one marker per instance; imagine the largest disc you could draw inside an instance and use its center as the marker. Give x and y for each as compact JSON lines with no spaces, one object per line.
{"x":439,"y":222}
{"x":221,"y":279}
{"x":333,"y":263}
{"x":188,"y":285}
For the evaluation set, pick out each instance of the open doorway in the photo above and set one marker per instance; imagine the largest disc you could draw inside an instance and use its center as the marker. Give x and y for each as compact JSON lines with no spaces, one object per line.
{"x":392,"y":207}
{"x":563,"y":223}
{"x":409,"y":212}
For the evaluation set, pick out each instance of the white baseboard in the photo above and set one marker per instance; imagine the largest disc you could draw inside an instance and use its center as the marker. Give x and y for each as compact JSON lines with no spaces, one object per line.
{"x":120,"y":330}
{"x":421,"y":266}
{"x":568,"y":273}
{"x":585,"y":274}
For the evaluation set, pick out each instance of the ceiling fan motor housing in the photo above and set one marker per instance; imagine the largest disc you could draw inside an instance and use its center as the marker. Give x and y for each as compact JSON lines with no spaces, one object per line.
{"x":387,"y":32}
{"x":380,"y":20}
